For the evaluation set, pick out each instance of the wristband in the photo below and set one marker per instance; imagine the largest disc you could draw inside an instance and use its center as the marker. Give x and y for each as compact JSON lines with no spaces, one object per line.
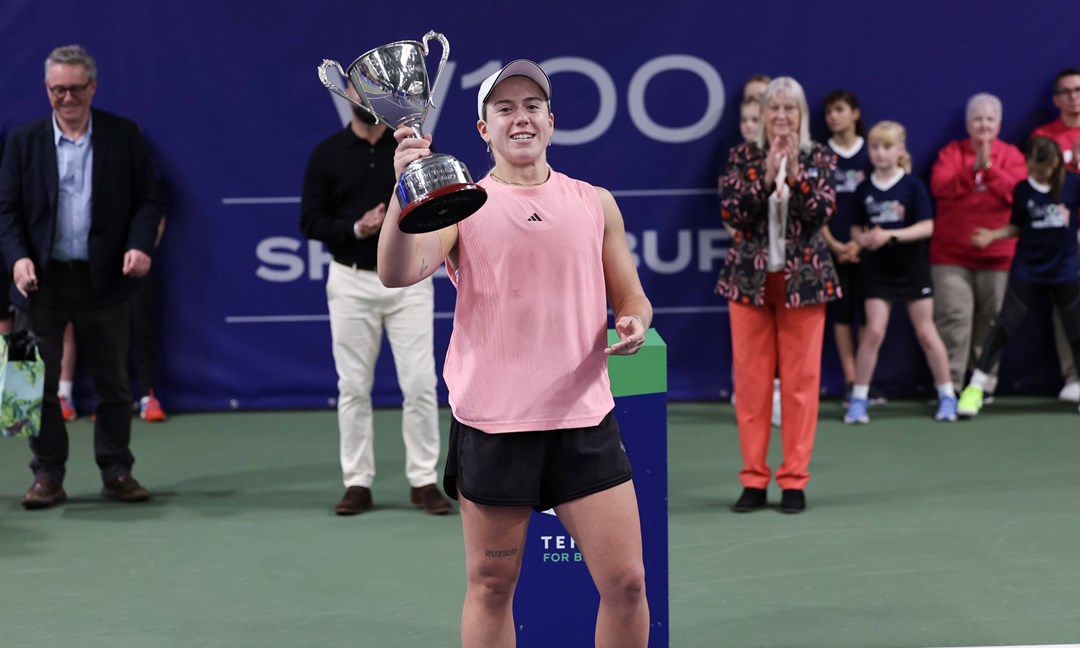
{"x":356,"y":230}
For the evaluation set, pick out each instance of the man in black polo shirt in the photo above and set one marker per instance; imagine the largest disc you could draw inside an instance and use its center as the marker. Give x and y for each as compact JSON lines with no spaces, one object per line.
{"x":349,"y":178}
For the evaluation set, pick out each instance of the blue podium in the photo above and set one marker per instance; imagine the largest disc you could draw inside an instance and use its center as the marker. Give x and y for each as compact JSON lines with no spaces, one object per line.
{"x":556,"y":602}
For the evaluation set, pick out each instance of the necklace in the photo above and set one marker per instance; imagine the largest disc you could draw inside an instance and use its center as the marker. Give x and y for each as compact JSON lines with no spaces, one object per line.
{"x":521,"y":184}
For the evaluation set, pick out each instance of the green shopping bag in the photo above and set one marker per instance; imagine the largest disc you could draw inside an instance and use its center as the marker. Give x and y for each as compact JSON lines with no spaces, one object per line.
{"x":22,"y":380}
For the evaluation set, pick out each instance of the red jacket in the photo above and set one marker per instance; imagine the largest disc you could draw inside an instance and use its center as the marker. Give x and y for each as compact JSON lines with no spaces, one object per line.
{"x":961,"y":206}
{"x":1063,"y":135}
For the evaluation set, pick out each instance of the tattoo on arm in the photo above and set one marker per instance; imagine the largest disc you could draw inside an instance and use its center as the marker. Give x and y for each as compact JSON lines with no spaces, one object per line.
{"x":423,"y":267}
{"x":499,"y":553}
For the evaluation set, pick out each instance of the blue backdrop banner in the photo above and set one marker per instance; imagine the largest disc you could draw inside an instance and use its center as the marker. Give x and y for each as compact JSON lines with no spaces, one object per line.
{"x":645,"y":103}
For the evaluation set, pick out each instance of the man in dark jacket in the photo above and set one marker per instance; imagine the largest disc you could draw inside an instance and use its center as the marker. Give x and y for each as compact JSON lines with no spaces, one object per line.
{"x":79,"y":209}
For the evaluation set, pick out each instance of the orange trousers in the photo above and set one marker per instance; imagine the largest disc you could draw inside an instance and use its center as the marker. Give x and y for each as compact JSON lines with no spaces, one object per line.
{"x":762,"y":339}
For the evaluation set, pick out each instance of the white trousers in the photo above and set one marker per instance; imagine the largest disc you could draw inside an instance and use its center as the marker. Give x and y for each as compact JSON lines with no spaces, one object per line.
{"x":360,"y":308}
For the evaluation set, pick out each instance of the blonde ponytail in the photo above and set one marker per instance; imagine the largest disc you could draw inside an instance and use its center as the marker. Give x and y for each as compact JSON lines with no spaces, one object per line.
{"x":892,"y":132}
{"x":905,"y":161}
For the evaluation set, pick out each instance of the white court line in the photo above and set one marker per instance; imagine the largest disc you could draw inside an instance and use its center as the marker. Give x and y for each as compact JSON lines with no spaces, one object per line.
{"x":275,"y":319}
{"x":624,"y":193}
{"x":1031,"y":646}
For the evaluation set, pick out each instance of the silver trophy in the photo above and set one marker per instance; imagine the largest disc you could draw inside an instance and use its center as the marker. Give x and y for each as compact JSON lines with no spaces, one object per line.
{"x":392,"y":83}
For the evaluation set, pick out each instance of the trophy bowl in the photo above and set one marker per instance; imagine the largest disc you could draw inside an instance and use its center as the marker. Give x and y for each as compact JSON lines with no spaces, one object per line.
{"x":436,"y":192}
{"x":392,"y":85}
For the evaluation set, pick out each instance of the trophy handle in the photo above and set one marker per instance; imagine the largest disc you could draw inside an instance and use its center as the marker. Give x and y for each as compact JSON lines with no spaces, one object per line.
{"x":327,"y":63}
{"x":442,"y":63}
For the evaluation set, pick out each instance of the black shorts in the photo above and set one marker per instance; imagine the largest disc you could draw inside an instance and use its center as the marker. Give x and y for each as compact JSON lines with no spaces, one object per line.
{"x":898,"y":272}
{"x":912,"y":285}
{"x":541,"y":469}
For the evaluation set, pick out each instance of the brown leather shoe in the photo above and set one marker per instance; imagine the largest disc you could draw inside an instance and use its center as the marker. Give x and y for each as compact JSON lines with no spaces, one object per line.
{"x":430,"y":499}
{"x":43,"y":493}
{"x":124,"y":489}
{"x":356,"y":500}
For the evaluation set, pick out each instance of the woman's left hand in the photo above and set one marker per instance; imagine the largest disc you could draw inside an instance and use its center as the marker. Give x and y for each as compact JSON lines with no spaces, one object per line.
{"x":631,"y":336}
{"x":793,"y":166}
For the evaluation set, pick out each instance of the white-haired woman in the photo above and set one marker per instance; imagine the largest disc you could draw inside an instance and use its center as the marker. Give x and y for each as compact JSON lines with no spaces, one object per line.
{"x":777,"y":194}
{"x":972,"y":181}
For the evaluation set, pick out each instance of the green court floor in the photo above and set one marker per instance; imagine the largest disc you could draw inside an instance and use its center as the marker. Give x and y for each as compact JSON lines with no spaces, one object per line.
{"x":918,"y":534}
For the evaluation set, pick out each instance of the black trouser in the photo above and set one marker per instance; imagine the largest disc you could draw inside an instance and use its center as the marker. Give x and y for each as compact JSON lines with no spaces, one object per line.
{"x":144,"y":333}
{"x":101,"y":335}
{"x":1014,"y":309}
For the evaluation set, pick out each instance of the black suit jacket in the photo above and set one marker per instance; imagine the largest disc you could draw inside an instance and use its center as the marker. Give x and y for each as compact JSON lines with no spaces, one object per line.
{"x":125,"y":202}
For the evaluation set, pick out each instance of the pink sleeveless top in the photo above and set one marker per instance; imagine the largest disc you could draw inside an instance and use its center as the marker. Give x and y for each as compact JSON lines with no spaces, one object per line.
{"x":530,"y":324}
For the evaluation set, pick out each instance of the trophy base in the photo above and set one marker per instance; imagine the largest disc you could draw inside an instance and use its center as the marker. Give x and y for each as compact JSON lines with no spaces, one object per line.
{"x":441,"y":208}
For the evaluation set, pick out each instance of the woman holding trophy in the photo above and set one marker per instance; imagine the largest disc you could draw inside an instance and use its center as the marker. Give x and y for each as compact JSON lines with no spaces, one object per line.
{"x":533,"y":424}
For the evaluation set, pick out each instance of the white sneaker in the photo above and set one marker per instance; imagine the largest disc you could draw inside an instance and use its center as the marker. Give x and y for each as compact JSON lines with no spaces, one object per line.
{"x":1070,"y":393}
{"x":776,"y":417}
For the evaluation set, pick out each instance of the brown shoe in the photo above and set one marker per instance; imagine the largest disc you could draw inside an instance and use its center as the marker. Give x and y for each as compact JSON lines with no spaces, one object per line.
{"x":356,"y":500}
{"x":430,"y":499}
{"x":124,"y":489}
{"x":43,"y":493}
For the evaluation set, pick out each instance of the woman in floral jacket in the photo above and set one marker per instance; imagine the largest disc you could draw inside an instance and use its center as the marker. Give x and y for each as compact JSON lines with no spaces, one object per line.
{"x":777,"y":194}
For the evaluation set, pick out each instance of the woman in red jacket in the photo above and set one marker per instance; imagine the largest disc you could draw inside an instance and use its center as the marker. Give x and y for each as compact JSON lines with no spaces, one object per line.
{"x":972,"y":181}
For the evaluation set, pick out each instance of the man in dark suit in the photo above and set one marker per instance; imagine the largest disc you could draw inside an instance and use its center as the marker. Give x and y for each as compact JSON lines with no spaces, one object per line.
{"x":79,"y":209}
{"x":7,"y":316}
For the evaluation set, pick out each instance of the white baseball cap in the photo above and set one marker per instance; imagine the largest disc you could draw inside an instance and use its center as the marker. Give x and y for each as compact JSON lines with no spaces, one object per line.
{"x":519,"y":67}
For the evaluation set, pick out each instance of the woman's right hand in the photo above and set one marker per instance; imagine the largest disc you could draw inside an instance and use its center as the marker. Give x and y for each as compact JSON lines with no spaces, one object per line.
{"x":772,"y":161}
{"x":779,"y":148}
{"x":982,"y":152}
{"x":410,"y":148}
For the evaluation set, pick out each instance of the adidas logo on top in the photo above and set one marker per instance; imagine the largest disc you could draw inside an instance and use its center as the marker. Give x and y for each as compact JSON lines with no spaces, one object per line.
{"x":535,"y":218}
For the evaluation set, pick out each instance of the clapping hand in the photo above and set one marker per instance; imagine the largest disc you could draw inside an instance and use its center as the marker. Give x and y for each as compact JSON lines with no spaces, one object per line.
{"x":781,"y":147}
{"x":372,"y":220}
{"x":982,"y":154}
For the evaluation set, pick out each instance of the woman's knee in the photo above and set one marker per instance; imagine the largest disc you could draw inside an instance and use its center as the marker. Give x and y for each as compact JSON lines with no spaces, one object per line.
{"x":627,"y":585}
{"x":494,"y":584}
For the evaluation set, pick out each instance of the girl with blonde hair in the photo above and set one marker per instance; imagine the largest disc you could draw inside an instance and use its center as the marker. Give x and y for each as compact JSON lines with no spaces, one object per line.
{"x":893,"y":224}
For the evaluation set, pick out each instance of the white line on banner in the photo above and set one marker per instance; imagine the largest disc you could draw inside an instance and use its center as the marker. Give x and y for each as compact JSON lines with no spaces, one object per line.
{"x":638,"y":193}
{"x":689,"y":310}
{"x":618,"y":193}
{"x":271,"y":200}
{"x":276,"y":319}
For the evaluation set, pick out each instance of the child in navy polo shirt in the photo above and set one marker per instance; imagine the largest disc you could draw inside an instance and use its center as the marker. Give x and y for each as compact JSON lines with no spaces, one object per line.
{"x":893,"y":224}
{"x":1044,"y":217}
